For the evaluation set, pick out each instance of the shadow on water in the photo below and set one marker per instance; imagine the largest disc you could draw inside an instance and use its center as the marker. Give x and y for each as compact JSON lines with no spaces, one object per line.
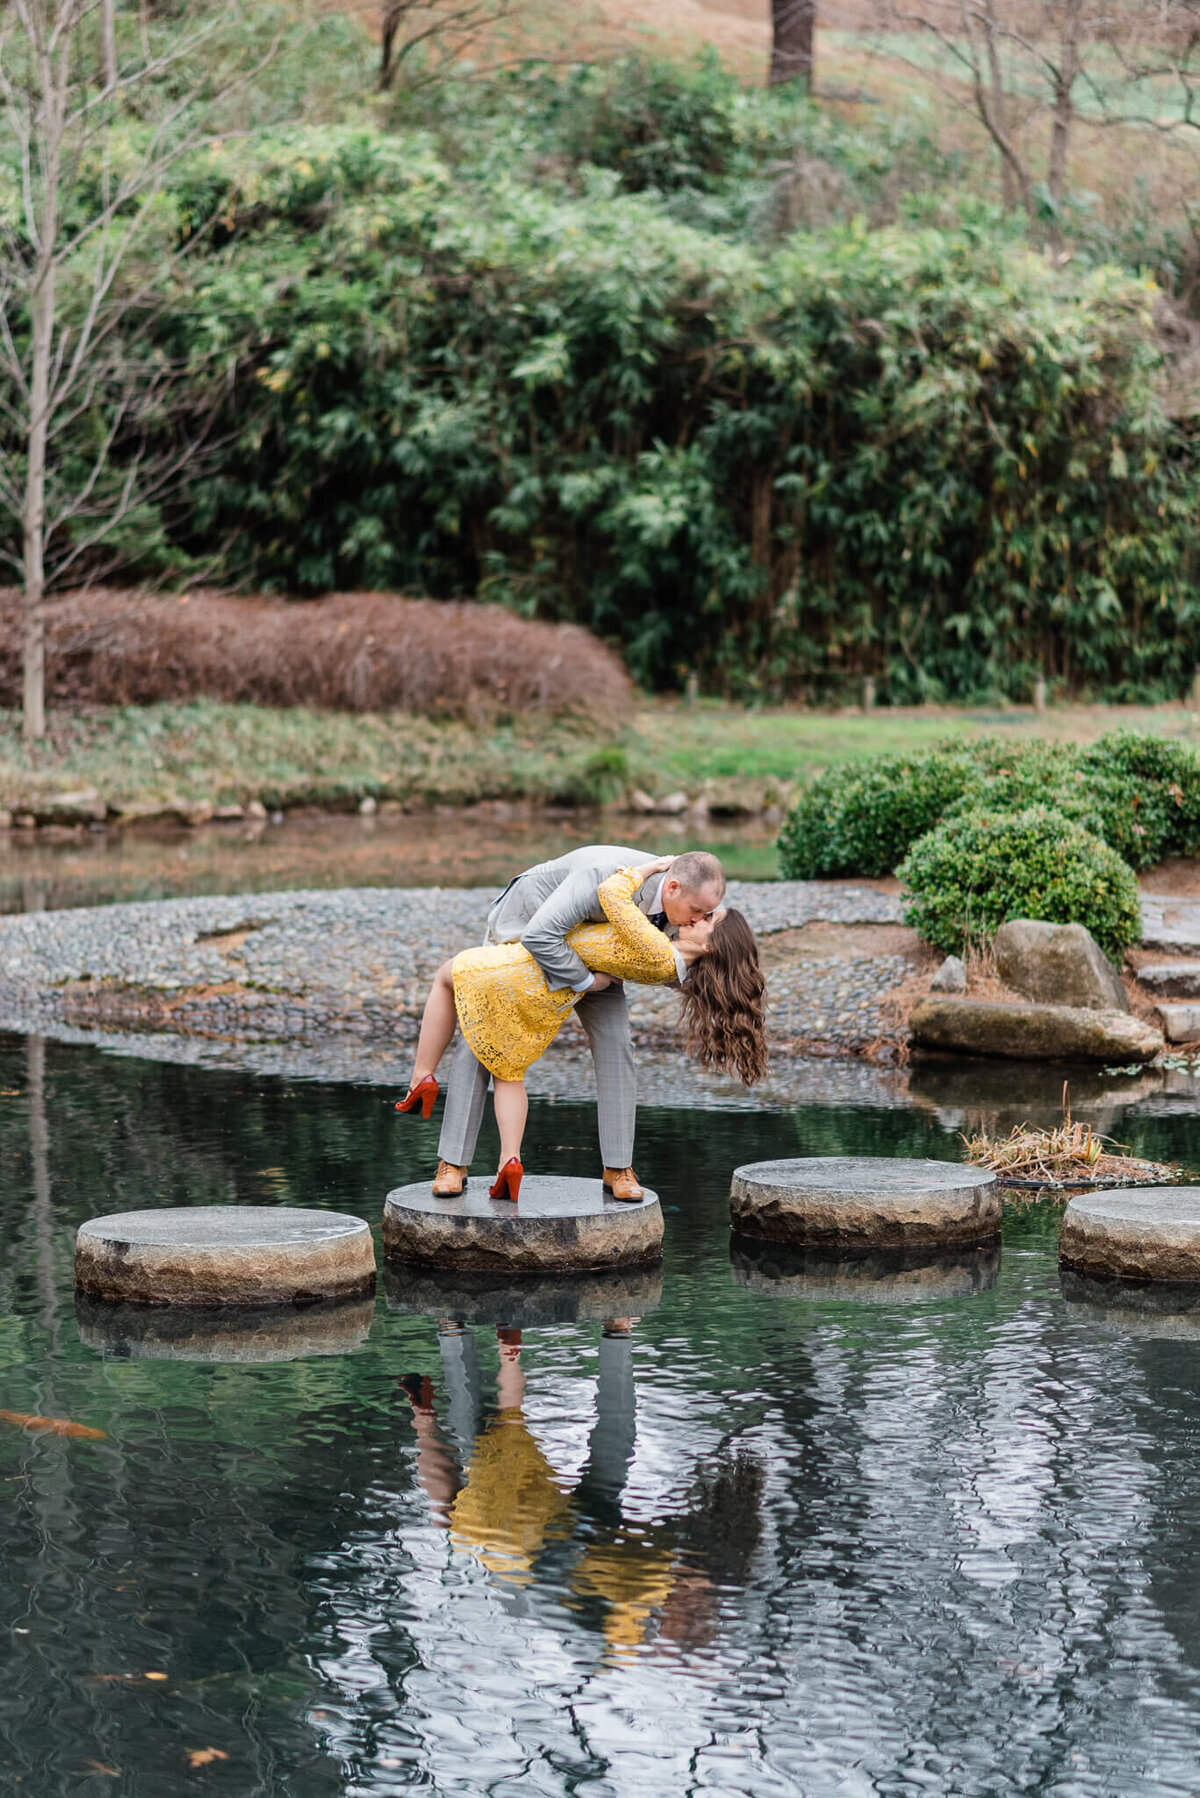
{"x":754,"y":1524}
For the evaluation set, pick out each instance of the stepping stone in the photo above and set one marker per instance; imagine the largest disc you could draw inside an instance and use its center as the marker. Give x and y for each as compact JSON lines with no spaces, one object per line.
{"x":559,"y":1226}
{"x":1154,"y":1313}
{"x":225,"y":1255}
{"x":1180,"y":1022}
{"x":882,"y":1277}
{"x":1170,"y":923}
{"x":861,"y":1202}
{"x":524,"y":1301}
{"x":122,"y":1332}
{"x":1171,"y":979}
{"x":1141,"y":1233}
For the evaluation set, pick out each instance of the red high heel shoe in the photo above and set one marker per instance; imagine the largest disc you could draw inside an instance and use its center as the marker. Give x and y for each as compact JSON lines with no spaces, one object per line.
{"x":426,"y":1091}
{"x":507,"y":1183}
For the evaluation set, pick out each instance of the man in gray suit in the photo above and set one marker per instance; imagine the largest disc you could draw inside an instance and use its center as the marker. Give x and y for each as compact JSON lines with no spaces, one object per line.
{"x":537,"y":909}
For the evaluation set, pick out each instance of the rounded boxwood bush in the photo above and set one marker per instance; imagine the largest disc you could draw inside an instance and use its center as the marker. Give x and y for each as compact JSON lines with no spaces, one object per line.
{"x":1139,"y":793}
{"x":1012,"y":777}
{"x":861,"y":817}
{"x":1146,"y":790}
{"x":973,"y":872}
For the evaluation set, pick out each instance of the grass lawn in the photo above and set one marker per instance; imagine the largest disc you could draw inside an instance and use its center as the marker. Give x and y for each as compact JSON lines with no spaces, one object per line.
{"x":711,"y":741}
{"x":138,"y":758}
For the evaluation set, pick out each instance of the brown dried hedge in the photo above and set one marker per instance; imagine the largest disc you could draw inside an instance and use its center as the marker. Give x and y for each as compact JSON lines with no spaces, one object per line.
{"x":356,"y":652}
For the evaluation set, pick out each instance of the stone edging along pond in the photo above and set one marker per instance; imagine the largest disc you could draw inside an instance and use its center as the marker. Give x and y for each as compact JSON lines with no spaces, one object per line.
{"x":356,"y":964}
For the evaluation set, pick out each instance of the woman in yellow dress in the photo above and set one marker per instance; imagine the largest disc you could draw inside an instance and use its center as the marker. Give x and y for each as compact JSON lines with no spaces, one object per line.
{"x":510,"y":1016}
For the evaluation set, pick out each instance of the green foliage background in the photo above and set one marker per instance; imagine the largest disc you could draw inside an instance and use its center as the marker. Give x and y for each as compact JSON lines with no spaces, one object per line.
{"x":562,"y":344}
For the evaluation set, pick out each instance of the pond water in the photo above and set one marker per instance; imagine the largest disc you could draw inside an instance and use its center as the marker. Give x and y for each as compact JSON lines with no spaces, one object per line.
{"x":798,"y":1530}
{"x":481,"y":846}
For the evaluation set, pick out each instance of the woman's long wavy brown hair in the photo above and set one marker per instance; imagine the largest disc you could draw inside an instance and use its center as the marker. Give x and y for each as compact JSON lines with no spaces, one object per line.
{"x":723,"y":1003}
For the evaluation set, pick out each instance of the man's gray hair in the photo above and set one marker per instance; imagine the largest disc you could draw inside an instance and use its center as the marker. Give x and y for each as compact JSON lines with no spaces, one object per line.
{"x":697,"y":870}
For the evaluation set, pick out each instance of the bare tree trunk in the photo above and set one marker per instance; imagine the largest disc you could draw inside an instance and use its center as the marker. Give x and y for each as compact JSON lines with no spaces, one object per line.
{"x":793,"y":34}
{"x":990,"y":99}
{"x":34,"y":672}
{"x":1063,"y":117}
{"x":1009,"y":189}
{"x":108,"y":43}
{"x":387,"y":43}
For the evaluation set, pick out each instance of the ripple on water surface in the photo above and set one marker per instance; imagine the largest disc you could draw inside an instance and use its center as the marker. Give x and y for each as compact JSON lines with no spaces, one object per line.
{"x":798,"y":1529}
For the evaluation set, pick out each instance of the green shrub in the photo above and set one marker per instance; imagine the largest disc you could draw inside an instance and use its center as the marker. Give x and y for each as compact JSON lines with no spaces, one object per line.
{"x":1147,"y":792}
{"x":654,"y":123}
{"x":920,"y":453}
{"x":861,"y":818}
{"x":1012,"y":777}
{"x":1139,"y":793}
{"x":975,"y":871}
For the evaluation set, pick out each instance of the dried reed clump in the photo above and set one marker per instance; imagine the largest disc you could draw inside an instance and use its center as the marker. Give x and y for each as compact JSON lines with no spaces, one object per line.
{"x":355,"y":652}
{"x":1068,"y":1154}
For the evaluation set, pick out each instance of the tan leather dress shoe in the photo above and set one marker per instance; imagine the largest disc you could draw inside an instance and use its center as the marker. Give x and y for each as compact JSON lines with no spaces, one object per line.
{"x":622,"y":1183}
{"x":449,"y":1180}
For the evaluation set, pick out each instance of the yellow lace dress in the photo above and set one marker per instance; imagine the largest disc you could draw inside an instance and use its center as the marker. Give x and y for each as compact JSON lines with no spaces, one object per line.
{"x":507,"y":1012}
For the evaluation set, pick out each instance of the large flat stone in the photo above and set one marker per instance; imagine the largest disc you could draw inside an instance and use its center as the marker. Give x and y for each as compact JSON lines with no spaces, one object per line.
{"x":1170,"y":923}
{"x":1180,"y":1021}
{"x":523,"y":1301}
{"x":1023,"y":1031}
{"x":1057,"y":964}
{"x":863,"y":1202}
{"x":122,"y":1332}
{"x":1140,"y":1233}
{"x":1171,"y":979}
{"x":878,"y":1277}
{"x":559,"y":1225}
{"x":225,"y":1255}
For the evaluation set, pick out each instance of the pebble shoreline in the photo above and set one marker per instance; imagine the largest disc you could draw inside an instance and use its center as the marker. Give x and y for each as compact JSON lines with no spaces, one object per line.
{"x":355,"y":963}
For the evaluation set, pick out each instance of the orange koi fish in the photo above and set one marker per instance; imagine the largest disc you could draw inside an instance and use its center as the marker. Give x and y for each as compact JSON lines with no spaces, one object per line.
{"x":51,"y":1426}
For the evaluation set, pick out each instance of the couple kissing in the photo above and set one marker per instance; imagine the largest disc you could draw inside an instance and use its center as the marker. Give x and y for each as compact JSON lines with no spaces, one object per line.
{"x":565,"y":937}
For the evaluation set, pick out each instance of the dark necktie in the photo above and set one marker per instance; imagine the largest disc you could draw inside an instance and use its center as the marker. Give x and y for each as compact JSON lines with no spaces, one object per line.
{"x":659,"y":920}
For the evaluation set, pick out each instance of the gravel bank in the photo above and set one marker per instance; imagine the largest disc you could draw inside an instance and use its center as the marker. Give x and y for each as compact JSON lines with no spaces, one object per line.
{"x":355,"y":964}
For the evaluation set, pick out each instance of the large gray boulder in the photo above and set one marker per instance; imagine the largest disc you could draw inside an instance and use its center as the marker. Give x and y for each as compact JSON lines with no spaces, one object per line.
{"x":1057,"y":964}
{"x":1023,"y":1031}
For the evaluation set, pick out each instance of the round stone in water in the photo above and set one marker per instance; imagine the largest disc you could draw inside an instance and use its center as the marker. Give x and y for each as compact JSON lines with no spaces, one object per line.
{"x":559,"y":1225}
{"x":224,"y":1255}
{"x":1140,"y":1233}
{"x":864,"y":1201}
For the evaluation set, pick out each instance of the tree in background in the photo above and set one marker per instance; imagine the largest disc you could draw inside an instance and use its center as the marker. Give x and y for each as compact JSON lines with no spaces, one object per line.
{"x":793,"y":33}
{"x":95,"y":119}
{"x":1017,"y":63}
{"x":416,"y":31}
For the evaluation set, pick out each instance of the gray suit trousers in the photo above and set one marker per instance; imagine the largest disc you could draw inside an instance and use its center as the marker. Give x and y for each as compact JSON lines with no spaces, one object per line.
{"x":605,"y":1019}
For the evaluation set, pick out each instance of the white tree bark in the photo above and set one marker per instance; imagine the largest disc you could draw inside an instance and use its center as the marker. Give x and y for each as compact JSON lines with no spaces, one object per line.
{"x":108,"y":43}
{"x":55,"y":364}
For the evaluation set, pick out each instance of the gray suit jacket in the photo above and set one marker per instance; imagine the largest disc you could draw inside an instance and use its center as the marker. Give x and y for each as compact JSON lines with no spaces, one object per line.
{"x":538,"y":908}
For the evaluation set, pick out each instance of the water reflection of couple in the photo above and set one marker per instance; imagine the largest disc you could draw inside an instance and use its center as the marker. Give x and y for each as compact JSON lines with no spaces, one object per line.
{"x":561,"y":939}
{"x":499,"y":1498}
